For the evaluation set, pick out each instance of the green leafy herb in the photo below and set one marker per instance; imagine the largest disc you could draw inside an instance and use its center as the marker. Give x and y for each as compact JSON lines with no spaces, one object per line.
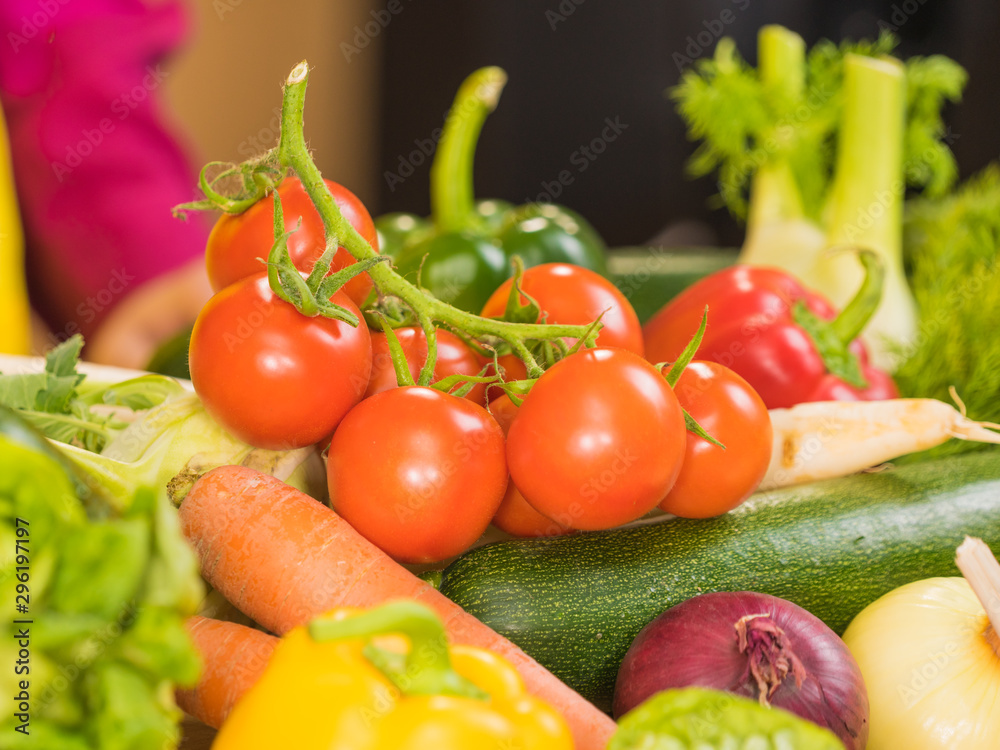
{"x":49,"y":391}
{"x":816,"y":150}
{"x":703,"y":719}
{"x":953,"y":255}
{"x":788,"y":112}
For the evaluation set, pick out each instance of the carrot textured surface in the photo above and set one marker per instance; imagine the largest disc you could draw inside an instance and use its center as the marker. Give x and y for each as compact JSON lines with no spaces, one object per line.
{"x":282,"y":558}
{"x":233,"y":657}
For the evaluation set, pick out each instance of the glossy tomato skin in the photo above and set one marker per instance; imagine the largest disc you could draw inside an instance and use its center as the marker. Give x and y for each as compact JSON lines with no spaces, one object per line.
{"x":515,"y":515}
{"x":598,"y":441}
{"x":238,"y":240}
{"x":453,"y":358}
{"x":417,"y":472}
{"x":714,"y":480}
{"x":271,"y":376}
{"x":572,"y":295}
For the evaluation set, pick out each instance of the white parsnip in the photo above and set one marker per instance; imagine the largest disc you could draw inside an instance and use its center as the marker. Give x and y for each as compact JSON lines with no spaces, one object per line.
{"x":834,"y":438}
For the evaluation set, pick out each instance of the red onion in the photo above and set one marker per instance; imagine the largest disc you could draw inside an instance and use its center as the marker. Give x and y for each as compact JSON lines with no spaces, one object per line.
{"x":753,"y":645}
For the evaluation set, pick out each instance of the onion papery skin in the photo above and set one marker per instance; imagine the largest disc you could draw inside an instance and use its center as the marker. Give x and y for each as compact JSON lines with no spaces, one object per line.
{"x":933,"y":679}
{"x":695,"y":644}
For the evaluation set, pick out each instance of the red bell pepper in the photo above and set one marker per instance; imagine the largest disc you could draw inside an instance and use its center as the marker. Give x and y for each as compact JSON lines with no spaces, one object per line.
{"x":789,"y":343}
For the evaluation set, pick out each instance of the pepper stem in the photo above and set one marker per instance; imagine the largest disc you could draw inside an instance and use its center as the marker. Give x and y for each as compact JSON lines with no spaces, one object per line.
{"x":452,"y":186}
{"x":769,"y":657}
{"x":981,"y":569}
{"x":852,"y":320}
{"x":833,"y":338}
{"x":426,"y":668}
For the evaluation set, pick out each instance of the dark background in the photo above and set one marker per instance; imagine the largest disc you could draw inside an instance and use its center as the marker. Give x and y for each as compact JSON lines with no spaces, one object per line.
{"x":615,"y":58}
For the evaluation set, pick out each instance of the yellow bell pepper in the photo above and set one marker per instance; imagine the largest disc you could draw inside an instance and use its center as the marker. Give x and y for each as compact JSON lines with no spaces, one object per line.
{"x":348,"y":681}
{"x":15,"y":322}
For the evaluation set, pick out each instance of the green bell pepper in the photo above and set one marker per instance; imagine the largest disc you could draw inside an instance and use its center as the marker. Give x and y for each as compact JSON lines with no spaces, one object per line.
{"x":453,"y":252}
{"x":395,"y":229}
{"x":546,"y":233}
{"x":459,"y":268}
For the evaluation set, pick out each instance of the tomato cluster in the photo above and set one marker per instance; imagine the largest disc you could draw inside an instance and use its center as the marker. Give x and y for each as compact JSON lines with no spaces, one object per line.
{"x":599,"y":440}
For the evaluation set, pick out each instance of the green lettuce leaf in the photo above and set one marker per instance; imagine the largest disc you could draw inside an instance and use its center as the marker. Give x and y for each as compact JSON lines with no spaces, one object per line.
{"x":59,"y":404}
{"x":110,"y":589}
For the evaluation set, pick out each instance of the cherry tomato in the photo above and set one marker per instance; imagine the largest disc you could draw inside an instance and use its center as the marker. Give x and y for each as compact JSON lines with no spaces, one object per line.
{"x":715,"y":480}
{"x":515,"y":515}
{"x":453,"y":358}
{"x":598,"y":441}
{"x":238,"y":240}
{"x":271,"y":376}
{"x":573,"y":295}
{"x":417,"y":472}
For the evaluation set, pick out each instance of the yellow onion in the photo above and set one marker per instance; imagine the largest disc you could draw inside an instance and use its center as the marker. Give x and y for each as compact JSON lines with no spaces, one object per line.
{"x":931,"y":662}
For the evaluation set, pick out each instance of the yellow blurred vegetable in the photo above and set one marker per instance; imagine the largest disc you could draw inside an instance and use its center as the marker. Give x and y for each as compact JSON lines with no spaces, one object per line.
{"x":930,"y":657}
{"x":15,"y":333}
{"x":349,"y":682}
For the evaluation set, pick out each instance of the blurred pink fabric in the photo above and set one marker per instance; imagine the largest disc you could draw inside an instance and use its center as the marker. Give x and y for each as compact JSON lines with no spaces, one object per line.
{"x":96,"y":166}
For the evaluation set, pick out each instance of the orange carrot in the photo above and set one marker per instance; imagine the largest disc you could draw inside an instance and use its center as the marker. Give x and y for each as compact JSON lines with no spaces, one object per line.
{"x":283,"y":558}
{"x":233,"y":657}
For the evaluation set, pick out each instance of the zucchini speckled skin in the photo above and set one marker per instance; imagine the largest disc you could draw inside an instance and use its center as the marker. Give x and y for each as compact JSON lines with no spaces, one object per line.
{"x":576,"y":603}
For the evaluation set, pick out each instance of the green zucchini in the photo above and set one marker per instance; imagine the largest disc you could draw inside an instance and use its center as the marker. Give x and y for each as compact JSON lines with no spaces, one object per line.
{"x":576,"y":603}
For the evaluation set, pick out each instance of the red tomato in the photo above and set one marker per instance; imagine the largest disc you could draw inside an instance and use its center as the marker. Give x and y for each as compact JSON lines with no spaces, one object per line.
{"x":453,"y":358}
{"x":715,"y":480}
{"x":271,"y":376}
{"x":515,"y":515}
{"x":238,"y":240}
{"x":417,"y":472}
{"x":573,"y":295}
{"x":598,"y":441}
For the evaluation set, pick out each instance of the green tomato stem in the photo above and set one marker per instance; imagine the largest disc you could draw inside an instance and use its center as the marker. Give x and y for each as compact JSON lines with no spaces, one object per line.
{"x":427,"y":371}
{"x":676,"y":369}
{"x":396,"y":355}
{"x":519,"y":348}
{"x":453,"y":200}
{"x":293,"y":154}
